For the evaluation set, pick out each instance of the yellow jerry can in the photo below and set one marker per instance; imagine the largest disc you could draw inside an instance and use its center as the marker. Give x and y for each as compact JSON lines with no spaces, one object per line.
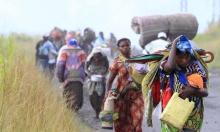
{"x":177,"y":111}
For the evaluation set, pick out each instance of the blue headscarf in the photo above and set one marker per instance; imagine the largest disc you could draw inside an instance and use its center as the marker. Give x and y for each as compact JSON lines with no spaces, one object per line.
{"x":184,"y":45}
{"x":73,"y":42}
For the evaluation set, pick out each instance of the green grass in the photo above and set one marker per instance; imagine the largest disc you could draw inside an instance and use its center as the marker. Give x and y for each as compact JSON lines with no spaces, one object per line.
{"x":28,"y":101}
{"x":210,"y":40}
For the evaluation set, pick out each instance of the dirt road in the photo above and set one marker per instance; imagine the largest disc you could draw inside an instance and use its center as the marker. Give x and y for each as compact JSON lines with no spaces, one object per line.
{"x":212,"y":108}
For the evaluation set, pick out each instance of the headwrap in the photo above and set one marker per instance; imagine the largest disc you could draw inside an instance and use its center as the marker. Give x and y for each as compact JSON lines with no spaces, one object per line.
{"x":73,"y":42}
{"x":184,"y":45}
{"x":95,"y":50}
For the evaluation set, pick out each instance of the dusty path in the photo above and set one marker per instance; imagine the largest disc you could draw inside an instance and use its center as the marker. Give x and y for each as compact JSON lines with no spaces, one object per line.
{"x":212,"y":108}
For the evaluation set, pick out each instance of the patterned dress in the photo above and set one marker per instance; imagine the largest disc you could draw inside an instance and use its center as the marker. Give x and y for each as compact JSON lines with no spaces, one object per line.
{"x":130,"y":105}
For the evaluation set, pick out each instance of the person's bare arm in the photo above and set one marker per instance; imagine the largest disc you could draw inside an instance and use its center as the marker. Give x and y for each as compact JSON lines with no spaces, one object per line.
{"x":200,"y":92}
{"x":170,"y":64}
{"x":113,"y":72}
{"x":110,"y":80}
{"x":192,"y":91}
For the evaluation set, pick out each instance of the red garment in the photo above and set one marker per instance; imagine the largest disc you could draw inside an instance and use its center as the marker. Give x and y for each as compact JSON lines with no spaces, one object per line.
{"x":131,"y":106}
{"x":131,"y":110}
{"x":156,"y":92}
{"x":122,"y":72}
{"x":166,"y":95}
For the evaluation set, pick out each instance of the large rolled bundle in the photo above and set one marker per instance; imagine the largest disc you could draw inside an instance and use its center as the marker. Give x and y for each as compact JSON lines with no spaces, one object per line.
{"x":149,"y":27}
{"x":144,"y":40}
{"x":149,"y":24}
{"x":182,"y":24}
{"x":173,"y":25}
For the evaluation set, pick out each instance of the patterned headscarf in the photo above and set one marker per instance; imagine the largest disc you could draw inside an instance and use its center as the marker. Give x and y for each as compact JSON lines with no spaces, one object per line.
{"x":184,"y":45}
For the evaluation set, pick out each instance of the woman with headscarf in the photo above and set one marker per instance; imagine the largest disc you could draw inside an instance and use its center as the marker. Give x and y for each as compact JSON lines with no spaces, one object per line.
{"x":183,"y":67}
{"x":129,"y":104}
{"x":70,"y":71}
{"x":97,"y":68}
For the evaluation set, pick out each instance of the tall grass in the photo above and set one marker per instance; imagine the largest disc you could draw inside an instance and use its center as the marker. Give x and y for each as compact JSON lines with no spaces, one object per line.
{"x":28,"y":102}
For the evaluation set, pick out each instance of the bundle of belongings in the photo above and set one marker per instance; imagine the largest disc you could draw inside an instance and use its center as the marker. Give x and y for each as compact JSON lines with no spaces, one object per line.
{"x":173,"y":25}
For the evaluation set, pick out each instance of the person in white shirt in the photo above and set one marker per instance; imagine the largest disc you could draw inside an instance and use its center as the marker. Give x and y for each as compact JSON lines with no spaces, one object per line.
{"x":158,"y":44}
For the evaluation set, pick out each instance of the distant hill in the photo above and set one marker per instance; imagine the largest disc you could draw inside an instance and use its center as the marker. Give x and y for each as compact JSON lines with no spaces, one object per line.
{"x":210,"y":40}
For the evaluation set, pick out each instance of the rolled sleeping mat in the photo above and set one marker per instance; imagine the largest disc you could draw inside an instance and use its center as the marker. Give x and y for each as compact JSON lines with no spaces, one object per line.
{"x":182,"y":24}
{"x":149,"y":25}
{"x":173,"y":25}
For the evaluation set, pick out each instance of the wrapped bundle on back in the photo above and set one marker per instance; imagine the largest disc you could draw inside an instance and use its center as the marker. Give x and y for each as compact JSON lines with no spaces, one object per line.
{"x":150,"y":24}
{"x":149,"y":27}
{"x":89,"y":35}
{"x":173,"y":25}
{"x":182,"y":24}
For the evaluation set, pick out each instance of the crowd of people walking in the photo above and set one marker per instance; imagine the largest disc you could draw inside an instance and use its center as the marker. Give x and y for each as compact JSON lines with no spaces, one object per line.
{"x":72,"y":57}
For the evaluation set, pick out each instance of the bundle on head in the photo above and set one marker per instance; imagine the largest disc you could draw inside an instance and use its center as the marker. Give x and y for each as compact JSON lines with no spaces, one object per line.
{"x":173,"y":25}
{"x":89,"y":35}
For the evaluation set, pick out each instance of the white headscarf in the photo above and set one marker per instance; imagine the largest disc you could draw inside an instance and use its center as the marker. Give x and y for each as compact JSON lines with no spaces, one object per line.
{"x":95,"y":50}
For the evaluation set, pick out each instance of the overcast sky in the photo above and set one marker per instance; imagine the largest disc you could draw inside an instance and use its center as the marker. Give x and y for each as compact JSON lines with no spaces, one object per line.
{"x":40,"y":16}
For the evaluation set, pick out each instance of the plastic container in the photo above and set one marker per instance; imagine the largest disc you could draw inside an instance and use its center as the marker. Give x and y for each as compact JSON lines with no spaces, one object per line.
{"x":177,"y":111}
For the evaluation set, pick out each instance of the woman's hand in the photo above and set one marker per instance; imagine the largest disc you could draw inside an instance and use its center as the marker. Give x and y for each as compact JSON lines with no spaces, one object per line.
{"x":186,"y":92}
{"x":176,"y":39}
{"x":111,"y":94}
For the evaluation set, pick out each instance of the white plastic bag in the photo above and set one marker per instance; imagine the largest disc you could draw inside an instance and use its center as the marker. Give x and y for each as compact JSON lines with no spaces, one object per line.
{"x":157,"y":111}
